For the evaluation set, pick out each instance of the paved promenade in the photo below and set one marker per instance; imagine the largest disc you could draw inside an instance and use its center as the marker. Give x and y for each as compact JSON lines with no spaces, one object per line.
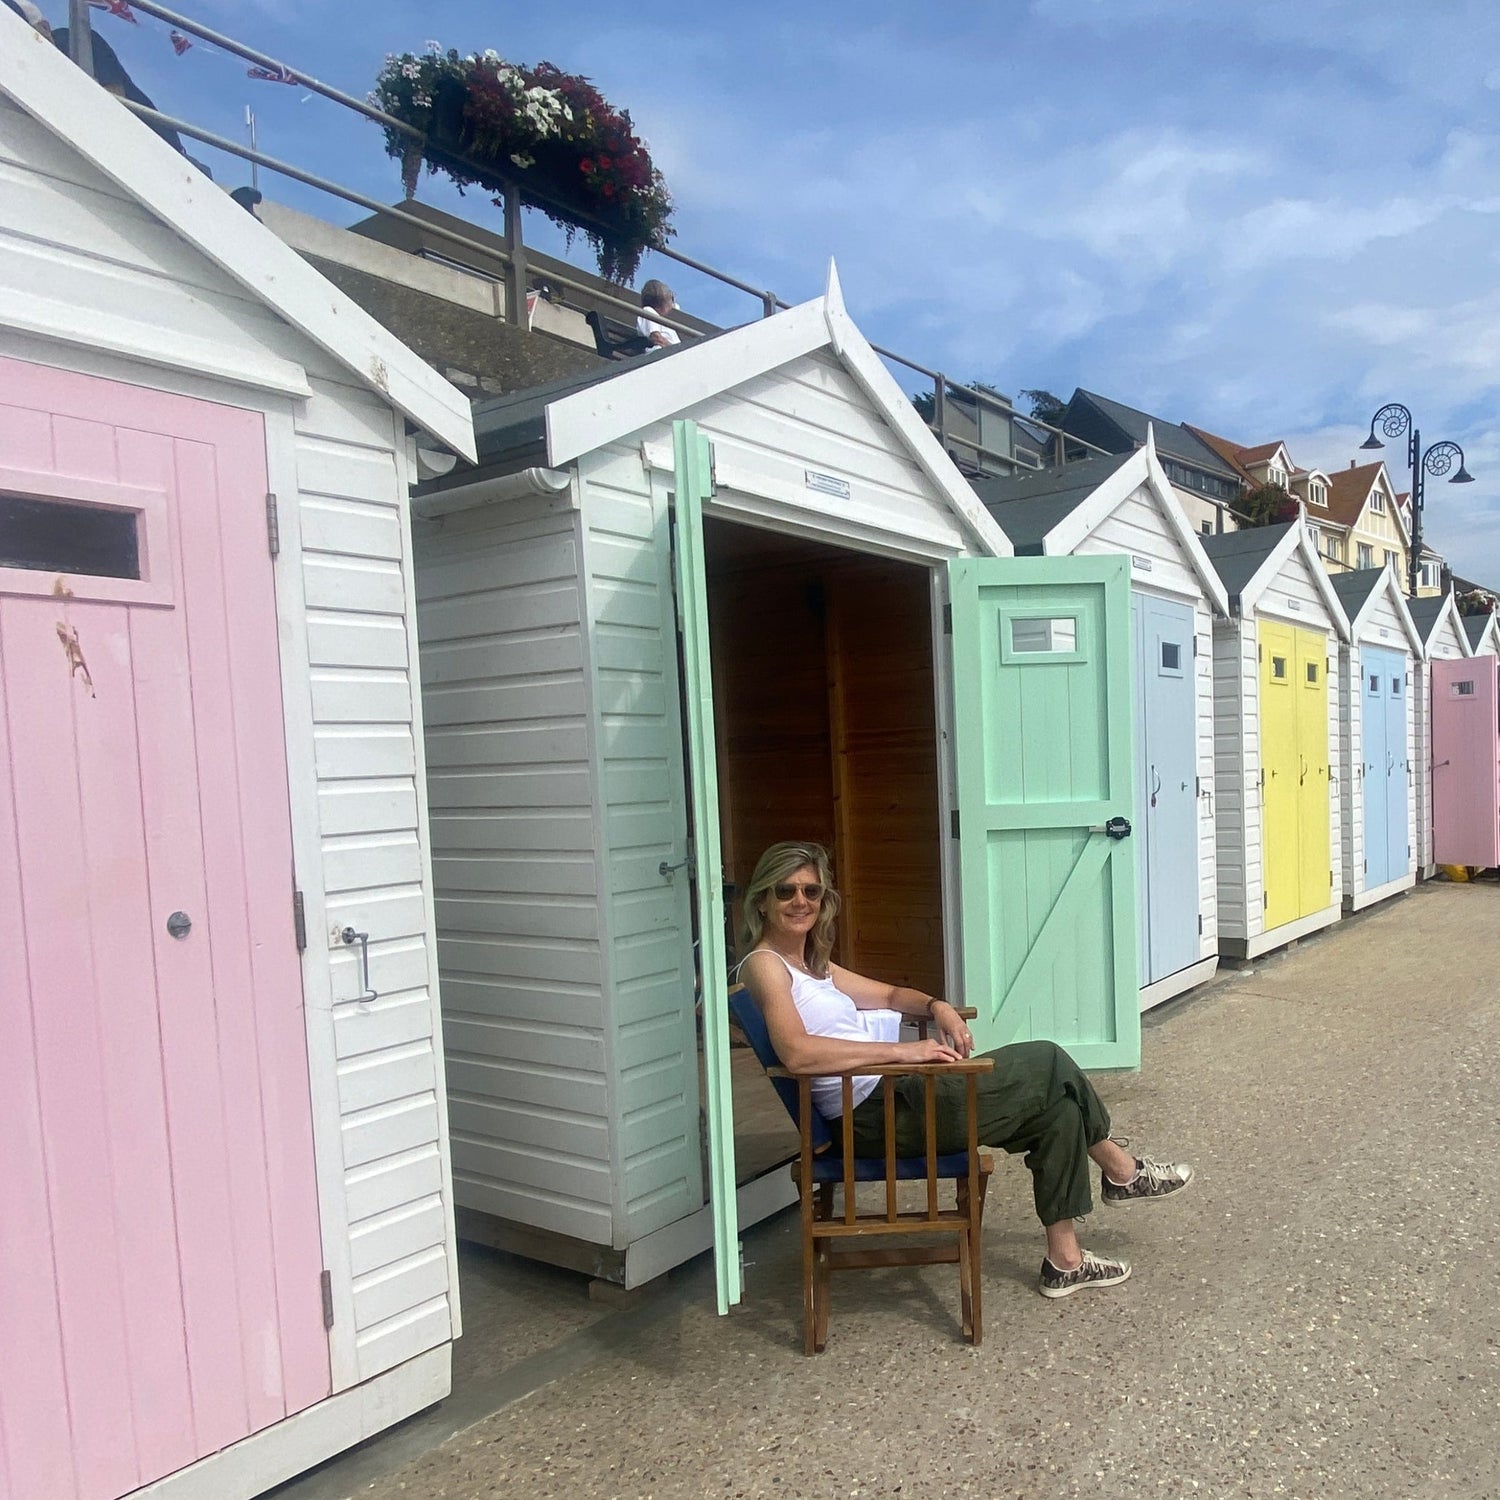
{"x":1318,"y":1317}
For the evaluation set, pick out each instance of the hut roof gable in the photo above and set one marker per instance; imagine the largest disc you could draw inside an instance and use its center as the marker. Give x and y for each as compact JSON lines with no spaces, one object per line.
{"x":39,"y":80}
{"x":1248,"y":561}
{"x":1361,"y":590}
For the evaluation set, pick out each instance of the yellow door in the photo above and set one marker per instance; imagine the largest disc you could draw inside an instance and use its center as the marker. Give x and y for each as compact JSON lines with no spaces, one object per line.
{"x":1314,"y":877}
{"x":1279,"y":769}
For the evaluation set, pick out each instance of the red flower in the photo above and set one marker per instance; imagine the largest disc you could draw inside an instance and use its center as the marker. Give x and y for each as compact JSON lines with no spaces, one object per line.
{"x":586,"y":165}
{"x":604,"y":164}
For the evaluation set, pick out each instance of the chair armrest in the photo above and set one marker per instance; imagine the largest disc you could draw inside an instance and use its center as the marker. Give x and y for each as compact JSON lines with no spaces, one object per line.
{"x":891,"y":1070}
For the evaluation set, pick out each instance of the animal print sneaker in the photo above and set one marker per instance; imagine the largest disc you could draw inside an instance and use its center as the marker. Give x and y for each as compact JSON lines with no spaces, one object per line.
{"x":1095,"y":1270}
{"x":1153,"y":1179}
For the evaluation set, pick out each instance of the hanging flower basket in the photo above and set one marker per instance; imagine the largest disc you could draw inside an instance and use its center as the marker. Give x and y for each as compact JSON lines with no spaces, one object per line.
{"x":553,"y":135}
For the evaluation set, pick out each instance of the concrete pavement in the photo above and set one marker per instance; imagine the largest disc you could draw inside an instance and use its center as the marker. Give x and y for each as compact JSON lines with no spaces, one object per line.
{"x":1317,"y":1317}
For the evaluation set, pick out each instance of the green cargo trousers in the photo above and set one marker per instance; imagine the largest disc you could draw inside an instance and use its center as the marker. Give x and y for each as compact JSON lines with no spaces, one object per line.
{"x":1036,"y":1099}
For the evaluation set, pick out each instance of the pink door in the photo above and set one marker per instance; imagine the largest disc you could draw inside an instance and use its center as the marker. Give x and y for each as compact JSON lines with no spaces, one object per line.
{"x":159,"y":1245}
{"x":1466,"y":762}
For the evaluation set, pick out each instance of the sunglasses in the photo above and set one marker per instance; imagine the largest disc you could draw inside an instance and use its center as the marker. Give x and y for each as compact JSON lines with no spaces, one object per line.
{"x":812,"y":891}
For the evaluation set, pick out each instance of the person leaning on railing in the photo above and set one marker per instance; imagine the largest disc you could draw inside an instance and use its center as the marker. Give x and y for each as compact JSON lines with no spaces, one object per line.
{"x":1035,"y":1100}
{"x":656,"y":297}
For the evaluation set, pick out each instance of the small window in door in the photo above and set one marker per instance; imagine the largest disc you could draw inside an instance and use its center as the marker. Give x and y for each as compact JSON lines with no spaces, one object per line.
{"x":1049,"y":636}
{"x":1171,"y":657}
{"x":1312,"y":673}
{"x":1463,"y":689}
{"x":1278,"y":668}
{"x":1395,"y":687}
{"x":1374,"y":682}
{"x":54,"y":536}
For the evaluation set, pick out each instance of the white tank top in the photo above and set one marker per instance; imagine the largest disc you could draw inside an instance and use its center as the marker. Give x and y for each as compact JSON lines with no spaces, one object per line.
{"x":827,"y":1011}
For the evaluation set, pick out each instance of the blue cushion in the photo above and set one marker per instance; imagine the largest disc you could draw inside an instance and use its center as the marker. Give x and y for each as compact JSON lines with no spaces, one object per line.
{"x":872,"y":1168}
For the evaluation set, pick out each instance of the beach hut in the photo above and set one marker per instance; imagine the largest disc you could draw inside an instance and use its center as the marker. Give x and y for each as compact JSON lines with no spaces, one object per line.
{"x":1466,"y":751}
{"x":1124,"y":505}
{"x":1483,"y":632}
{"x":727,"y":594}
{"x":226,"y":1244}
{"x":1277,"y":764}
{"x":1444,"y":638}
{"x":1377,"y":736}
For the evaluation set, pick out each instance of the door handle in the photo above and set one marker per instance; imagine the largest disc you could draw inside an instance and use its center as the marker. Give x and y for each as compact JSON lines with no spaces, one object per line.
{"x":349,"y":937}
{"x":1157,"y":787}
{"x":1302,"y":779}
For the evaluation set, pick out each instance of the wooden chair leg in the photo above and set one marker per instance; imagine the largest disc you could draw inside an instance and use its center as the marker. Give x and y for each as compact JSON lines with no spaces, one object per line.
{"x":966,"y":1282}
{"x":976,"y":1271}
{"x":823,"y":1273}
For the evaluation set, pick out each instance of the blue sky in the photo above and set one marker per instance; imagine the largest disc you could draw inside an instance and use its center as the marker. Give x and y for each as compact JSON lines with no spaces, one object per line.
{"x":1265,"y":218}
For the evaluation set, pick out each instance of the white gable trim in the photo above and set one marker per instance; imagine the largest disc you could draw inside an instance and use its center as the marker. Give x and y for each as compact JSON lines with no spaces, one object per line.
{"x":661,"y":389}
{"x":62,"y":98}
{"x":1490,"y":633}
{"x":1390,"y":589}
{"x":1449,"y":612}
{"x":1295,"y":541}
{"x":1143,"y":469}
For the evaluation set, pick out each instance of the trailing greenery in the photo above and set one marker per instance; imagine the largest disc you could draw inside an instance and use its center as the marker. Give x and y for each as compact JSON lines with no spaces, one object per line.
{"x":568,"y":151}
{"x":1268,"y":505}
{"x":1476,"y":601}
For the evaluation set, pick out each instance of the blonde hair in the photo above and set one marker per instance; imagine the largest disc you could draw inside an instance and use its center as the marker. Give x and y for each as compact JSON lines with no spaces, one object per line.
{"x":780,"y":862}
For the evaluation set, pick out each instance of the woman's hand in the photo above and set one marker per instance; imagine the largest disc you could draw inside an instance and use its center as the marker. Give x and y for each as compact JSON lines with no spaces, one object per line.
{"x":952,"y":1028}
{"x":929,"y":1051}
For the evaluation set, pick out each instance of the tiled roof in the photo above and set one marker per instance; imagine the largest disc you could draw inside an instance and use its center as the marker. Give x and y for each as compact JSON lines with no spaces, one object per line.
{"x":1348,"y":489}
{"x":1177,"y":441}
{"x":1259,"y":454}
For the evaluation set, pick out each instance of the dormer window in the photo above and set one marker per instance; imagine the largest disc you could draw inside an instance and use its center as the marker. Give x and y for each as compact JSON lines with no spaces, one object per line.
{"x":1275,"y":476}
{"x":1317,"y":494}
{"x":1377,"y":502}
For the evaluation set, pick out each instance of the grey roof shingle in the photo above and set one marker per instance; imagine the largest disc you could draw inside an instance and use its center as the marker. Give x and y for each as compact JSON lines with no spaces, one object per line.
{"x":1425,"y":614}
{"x":1237,"y":556}
{"x":1028,"y":506}
{"x":1355,"y":587}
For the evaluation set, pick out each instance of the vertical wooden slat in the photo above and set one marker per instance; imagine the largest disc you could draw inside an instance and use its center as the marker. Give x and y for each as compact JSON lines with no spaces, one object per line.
{"x":888,"y":1088}
{"x":844,"y":833}
{"x":847,"y":1122}
{"x":39,"y":1451}
{"x":805,"y":1200}
{"x":929,"y":1099}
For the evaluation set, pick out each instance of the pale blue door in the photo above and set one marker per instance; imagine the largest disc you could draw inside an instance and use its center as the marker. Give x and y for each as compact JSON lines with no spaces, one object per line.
{"x":1398,"y":778}
{"x":1377,"y":665}
{"x":1043,"y":752}
{"x":1166,"y":786}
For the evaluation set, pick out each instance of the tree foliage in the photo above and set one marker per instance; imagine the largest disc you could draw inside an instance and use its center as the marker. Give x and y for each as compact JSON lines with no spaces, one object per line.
{"x":1268,"y":505}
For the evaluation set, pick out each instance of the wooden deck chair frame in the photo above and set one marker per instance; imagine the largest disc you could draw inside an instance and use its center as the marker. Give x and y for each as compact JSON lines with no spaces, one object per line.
{"x":825,"y":1239}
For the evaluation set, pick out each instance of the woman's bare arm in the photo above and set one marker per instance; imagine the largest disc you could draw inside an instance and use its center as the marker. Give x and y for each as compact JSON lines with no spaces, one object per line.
{"x":768,"y":981}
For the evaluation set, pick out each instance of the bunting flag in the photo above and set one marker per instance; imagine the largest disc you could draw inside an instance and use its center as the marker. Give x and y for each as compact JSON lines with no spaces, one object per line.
{"x":118,"y":8}
{"x":279,"y":74}
{"x":180,"y":43}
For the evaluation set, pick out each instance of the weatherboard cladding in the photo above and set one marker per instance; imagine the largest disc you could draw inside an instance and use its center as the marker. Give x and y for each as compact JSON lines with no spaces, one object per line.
{"x":1292,"y":596}
{"x":1382,"y":628}
{"x":1137,"y":528}
{"x":557,"y":789}
{"x":337,"y":462}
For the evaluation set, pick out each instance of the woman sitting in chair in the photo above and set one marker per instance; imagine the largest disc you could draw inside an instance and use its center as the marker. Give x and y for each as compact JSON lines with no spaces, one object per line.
{"x":1036,"y":1100}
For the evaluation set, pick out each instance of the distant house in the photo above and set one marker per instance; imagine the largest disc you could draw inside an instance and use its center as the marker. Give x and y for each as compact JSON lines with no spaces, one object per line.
{"x":1362,"y":500}
{"x":1204,"y":481}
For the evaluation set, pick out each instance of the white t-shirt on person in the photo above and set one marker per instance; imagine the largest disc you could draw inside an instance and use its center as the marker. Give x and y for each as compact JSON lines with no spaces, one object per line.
{"x":827,"y":1011}
{"x":646,"y":325}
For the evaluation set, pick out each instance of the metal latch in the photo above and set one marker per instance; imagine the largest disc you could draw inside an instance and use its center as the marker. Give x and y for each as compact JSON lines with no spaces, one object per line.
{"x":349,"y":937}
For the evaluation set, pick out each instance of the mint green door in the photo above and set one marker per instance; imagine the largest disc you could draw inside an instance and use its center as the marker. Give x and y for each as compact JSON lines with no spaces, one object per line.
{"x":1043,"y":746}
{"x":693,"y":464}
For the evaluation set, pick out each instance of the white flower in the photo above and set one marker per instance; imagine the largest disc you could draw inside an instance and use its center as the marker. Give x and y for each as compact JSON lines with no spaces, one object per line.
{"x":522,"y":161}
{"x":434,"y":46}
{"x":421,"y":100}
{"x":490,"y":55}
{"x":409,"y":70}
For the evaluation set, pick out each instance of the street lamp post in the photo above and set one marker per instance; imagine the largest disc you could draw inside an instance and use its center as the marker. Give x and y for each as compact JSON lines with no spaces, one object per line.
{"x":1394,"y":419}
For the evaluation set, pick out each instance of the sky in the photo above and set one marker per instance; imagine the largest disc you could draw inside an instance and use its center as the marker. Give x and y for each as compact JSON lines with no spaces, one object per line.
{"x":1264,"y":217}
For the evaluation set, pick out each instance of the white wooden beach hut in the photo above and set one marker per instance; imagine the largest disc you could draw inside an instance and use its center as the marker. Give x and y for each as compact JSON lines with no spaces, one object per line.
{"x":1378,"y":712}
{"x":570,"y":719}
{"x":1125,"y":505}
{"x":1444,"y":638}
{"x":226,"y":1245}
{"x":1278,"y":772}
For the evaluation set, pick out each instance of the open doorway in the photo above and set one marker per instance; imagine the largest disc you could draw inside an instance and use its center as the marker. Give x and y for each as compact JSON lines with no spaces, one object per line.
{"x":824,"y":705}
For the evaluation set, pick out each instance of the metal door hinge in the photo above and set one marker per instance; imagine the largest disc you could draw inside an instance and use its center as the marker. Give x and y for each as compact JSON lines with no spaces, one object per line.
{"x":273,"y":526}
{"x":1330,"y":878}
{"x":299,"y":921}
{"x":1265,"y":900}
{"x":947,"y":619}
{"x":1200,"y":924}
{"x":1367,"y":871}
{"x":953,"y":823}
{"x":1260,"y":652}
{"x":325,"y":1282}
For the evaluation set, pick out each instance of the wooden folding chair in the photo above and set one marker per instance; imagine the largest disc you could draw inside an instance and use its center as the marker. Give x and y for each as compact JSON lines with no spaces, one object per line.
{"x":818,"y":1169}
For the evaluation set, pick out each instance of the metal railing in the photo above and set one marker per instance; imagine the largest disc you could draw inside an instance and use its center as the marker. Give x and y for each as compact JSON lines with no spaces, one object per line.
{"x":510,"y":249}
